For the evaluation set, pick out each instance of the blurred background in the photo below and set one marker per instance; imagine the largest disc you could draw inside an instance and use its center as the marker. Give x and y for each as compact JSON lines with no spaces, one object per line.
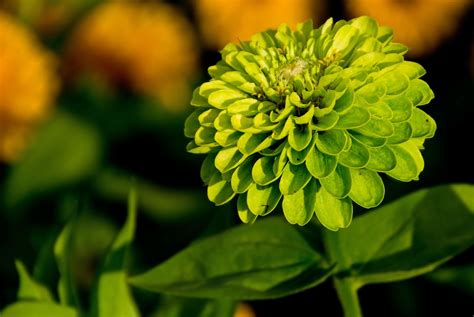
{"x":93,"y":96}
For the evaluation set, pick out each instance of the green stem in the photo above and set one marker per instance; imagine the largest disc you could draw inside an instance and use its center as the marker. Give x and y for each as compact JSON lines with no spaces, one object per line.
{"x":347,"y":293}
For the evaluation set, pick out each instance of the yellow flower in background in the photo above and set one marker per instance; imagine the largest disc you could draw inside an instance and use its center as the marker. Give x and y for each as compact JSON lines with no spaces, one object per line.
{"x":28,"y":85}
{"x":419,"y":24}
{"x":223,"y":21}
{"x":148,"y":47}
{"x":244,"y":310}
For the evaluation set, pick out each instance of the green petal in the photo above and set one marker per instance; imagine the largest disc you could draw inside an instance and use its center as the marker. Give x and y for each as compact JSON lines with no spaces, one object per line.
{"x":384,"y":34}
{"x":207,"y":118}
{"x":402,"y":108}
{"x":281,"y":161}
{"x":338,"y":183}
{"x":320,"y":164}
{"x":240,"y":80}
{"x":299,"y":207}
{"x":403,"y":132}
{"x":299,"y":157}
{"x":354,"y":118}
{"x":331,"y":142}
{"x":192,"y":147}
{"x":411,"y":69}
{"x":205,"y":136}
{"x":376,"y":128}
{"x":421,"y":123}
{"x":372,"y":92}
{"x":242,"y":123}
{"x":223,"y":121}
{"x":326,"y":122}
{"x":395,"y":82}
{"x":357,"y":156}
{"x":262,"y":171}
{"x":380,"y":110}
{"x":367,"y":188}
{"x":369,"y":140}
{"x":409,"y":162}
{"x":366,"y":25}
{"x":283,"y":129}
{"x":222,"y":99}
{"x":228,"y":158}
{"x":345,"y":102}
{"x":333,"y":213}
{"x":191,"y":125}
{"x":226,"y":138}
{"x":261,"y":200}
{"x":262,"y":122}
{"x":306,"y":118}
{"x":250,"y":143}
{"x":245,"y":215}
{"x":382,"y":159}
{"x":300,"y":137}
{"x":211,"y":86}
{"x":345,"y":39}
{"x":294,"y":178}
{"x":208,"y":169}
{"x":198,"y":100}
{"x":245,"y":106}
{"x":242,"y":177}
{"x":395,"y":48}
{"x":419,"y":92}
{"x":219,"y":190}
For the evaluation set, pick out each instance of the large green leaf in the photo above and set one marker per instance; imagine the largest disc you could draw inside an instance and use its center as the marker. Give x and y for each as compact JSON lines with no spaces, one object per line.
{"x":38,"y":309}
{"x":266,"y":260}
{"x":65,"y":152}
{"x":112,"y":293}
{"x":405,"y":238}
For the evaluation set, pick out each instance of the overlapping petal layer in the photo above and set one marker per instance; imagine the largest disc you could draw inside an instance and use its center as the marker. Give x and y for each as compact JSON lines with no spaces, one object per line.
{"x":310,"y":118}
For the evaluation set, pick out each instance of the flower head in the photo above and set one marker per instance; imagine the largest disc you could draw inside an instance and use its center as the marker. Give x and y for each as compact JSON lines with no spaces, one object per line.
{"x":310,"y":117}
{"x":28,"y":85}
{"x":147,"y":47}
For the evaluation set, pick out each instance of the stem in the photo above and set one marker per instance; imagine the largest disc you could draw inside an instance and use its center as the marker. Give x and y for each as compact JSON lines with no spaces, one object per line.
{"x":347,"y":293}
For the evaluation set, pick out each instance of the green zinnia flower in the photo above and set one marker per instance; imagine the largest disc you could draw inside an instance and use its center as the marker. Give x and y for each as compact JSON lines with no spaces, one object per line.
{"x":313,"y":116}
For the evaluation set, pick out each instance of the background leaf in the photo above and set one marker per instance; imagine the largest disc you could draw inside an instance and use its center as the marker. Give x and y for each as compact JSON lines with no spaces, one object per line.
{"x":112,"y":295}
{"x":171,"y":306}
{"x":38,"y":309}
{"x":29,"y":288}
{"x":460,"y":277}
{"x":405,"y":238}
{"x":266,"y":260}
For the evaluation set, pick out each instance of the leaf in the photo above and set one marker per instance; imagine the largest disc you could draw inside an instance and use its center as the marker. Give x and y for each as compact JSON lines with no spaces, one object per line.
{"x":171,"y":306}
{"x":29,"y":288}
{"x":62,"y":252}
{"x":298,"y":208}
{"x":38,"y":309}
{"x":460,"y":277}
{"x":406,"y":238}
{"x":332,"y":212}
{"x":266,"y":260}
{"x":65,"y":152}
{"x":112,"y":295}
{"x":367,"y":188}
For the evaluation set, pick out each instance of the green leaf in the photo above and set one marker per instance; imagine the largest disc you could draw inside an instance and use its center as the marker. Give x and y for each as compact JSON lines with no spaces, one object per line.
{"x":38,"y":309}
{"x":171,"y":306}
{"x":29,"y":288}
{"x":62,"y":252}
{"x":65,"y":152}
{"x":294,"y":178}
{"x":333,"y":213}
{"x":299,"y":207}
{"x":320,"y":164}
{"x":367,"y":188}
{"x":266,"y":260}
{"x":460,"y":277}
{"x":338,"y":183}
{"x":406,"y":238}
{"x":113,"y":296}
{"x":331,"y":142}
{"x":262,"y":200}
